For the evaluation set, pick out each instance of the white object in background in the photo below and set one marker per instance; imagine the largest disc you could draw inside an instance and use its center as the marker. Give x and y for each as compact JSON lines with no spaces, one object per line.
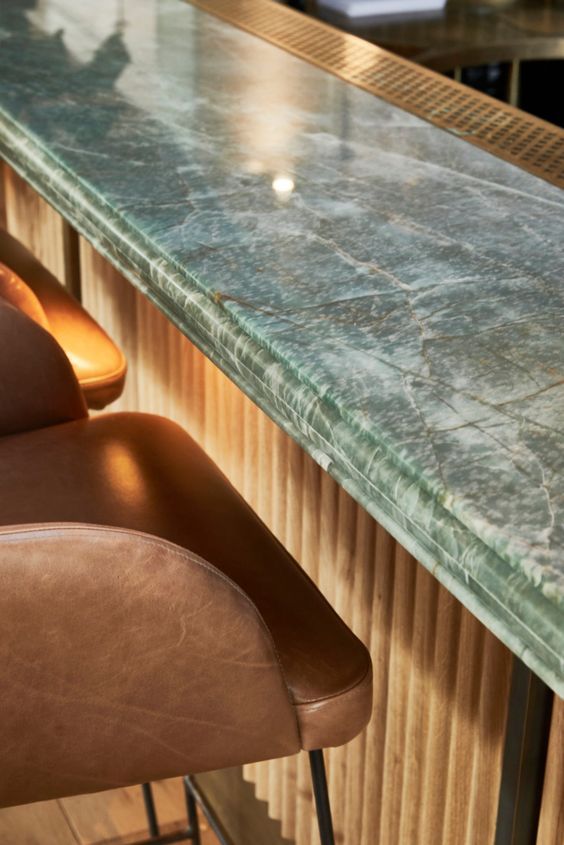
{"x":377,"y":8}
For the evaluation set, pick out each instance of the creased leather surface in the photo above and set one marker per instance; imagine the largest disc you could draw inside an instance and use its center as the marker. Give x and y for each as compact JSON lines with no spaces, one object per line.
{"x":143,"y":472}
{"x":124,"y":658}
{"x":98,"y":363}
{"x":335,"y":721}
{"x":37,"y":385}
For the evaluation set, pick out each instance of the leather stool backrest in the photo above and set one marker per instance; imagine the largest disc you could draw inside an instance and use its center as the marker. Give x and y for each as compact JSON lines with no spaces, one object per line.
{"x":38,"y":387}
{"x":99,"y":364}
{"x":127,"y":659}
{"x":17,"y":293}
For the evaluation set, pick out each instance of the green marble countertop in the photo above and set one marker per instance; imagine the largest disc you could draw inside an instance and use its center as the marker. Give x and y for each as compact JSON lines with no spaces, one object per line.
{"x":392,"y":296}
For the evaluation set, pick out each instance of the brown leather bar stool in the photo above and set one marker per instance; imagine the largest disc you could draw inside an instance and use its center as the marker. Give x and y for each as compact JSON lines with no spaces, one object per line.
{"x":98,"y":363}
{"x":150,"y":624}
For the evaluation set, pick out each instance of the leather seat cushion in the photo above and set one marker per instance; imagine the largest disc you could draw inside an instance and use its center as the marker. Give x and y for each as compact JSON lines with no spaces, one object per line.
{"x":145,"y":473}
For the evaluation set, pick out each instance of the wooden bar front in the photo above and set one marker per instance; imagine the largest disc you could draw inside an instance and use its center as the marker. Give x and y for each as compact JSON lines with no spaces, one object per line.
{"x":427,"y":770}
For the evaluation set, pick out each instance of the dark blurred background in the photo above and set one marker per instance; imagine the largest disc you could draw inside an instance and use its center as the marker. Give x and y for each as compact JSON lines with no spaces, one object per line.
{"x":510,"y":49}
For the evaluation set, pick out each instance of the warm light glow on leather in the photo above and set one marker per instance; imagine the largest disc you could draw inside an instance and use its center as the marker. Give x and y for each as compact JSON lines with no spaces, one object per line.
{"x":123,"y":467}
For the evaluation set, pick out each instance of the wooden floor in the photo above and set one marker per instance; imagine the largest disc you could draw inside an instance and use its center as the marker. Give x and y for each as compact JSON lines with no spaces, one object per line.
{"x":116,"y":817}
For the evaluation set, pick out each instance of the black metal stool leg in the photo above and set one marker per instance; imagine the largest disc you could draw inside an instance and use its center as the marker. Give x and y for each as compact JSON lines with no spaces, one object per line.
{"x":192,"y":810}
{"x":201,"y":801}
{"x":194,"y":797}
{"x":191,"y":831}
{"x":150,"y":810}
{"x":319,"y":781}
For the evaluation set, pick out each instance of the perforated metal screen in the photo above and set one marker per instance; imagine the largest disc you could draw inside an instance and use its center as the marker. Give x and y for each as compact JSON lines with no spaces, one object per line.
{"x":511,"y":134}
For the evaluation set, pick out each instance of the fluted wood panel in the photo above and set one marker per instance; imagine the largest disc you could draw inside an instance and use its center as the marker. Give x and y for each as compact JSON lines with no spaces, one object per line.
{"x":551,"y":828}
{"x":427,"y":768}
{"x":2,"y":197}
{"x":33,"y":222}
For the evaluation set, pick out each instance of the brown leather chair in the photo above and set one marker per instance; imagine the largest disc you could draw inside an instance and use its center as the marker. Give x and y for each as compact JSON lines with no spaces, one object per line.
{"x":150,"y":624}
{"x":98,"y":363}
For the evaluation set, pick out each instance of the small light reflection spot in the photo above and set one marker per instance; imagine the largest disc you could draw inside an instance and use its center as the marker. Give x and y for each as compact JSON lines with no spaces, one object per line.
{"x":283,"y":185}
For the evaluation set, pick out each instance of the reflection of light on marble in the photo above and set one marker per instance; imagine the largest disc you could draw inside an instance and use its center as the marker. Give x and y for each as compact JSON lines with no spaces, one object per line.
{"x":254,"y":166}
{"x":114,"y":17}
{"x":82,"y":41}
{"x":267,"y":121}
{"x":283,"y":185}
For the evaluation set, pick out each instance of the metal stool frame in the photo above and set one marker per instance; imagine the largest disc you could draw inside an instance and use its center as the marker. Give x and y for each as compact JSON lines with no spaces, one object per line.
{"x":194,"y":798}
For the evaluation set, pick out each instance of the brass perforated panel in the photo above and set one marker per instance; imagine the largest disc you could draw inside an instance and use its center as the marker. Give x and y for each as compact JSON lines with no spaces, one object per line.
{"x":511,"y":134}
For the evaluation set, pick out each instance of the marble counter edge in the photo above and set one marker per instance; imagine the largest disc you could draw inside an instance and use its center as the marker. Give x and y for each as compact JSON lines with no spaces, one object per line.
{"x":522,"y":617}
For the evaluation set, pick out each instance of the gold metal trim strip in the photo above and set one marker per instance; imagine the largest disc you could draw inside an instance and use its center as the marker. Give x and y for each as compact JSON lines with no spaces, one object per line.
{"x":511,"y":134}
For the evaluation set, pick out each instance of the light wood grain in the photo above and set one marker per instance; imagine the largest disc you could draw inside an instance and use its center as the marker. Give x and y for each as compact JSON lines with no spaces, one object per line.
{"x":2,"y":196}
{"x":427,"y":768}
{"x":33,"y":222}
{"x":119,"y":813}
{"x":115,"y":817}
{"x":36,"y":824}
{"x":244,"y":819}
{"x":551,"y":827}
{"x":439,"y":729}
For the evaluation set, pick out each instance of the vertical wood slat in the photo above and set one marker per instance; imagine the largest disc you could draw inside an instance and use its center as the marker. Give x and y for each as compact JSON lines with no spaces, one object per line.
{"x":427,"y":768}
{"x":379,"y":643}
{"x":417,"y":722}
{"x":361,"y":603}
{"x":486,"y":763}
{"x":551,"y":826}
{"x":439,"y":727}
{"x":33,"y":222}
{"x":3,"y":221}
{"x":393,"y":746}
{"x":168,"y":375}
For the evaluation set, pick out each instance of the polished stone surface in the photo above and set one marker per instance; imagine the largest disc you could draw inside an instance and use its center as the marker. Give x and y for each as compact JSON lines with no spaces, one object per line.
{"x":390,"y":295}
